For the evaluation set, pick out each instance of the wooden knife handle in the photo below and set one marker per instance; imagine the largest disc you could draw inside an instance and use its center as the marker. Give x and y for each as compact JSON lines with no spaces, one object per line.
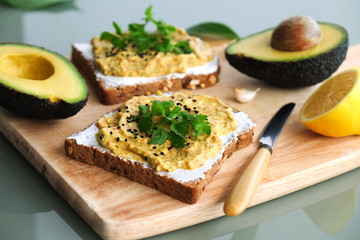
{"x":246,"y":186}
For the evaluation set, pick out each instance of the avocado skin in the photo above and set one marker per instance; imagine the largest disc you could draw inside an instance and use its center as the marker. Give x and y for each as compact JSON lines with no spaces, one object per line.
{"x":292,"y":74}
{"x":15,"y":101}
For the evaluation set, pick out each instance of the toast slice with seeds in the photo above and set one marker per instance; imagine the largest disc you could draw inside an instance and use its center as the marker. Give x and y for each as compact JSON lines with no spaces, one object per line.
{"x":113,"y":90}
{"x":184,"y":184}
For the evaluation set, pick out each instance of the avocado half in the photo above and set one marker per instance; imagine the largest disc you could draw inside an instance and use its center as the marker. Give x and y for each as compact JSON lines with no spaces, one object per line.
{"x":255,"y":57}
{"x":38,"y":83}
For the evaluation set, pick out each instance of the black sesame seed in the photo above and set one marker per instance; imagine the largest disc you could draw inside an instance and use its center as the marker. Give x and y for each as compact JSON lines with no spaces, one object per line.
{"x":118,"y":127}
{"x":154,"y":147}
{"x":122,"y":124}
{"x":162,"y":153}
{"x":127,"y":111}
{"x":169,"y":148}
{"x":146,"y":158}
{"x":100,"y":137}
{"x":125,"y":140}
{"x":196,"y":112}
{"x":155,"y":154}
{"x":111,"y":132}
{"x":117,"y":139}
{"x":194,"y":100}
{"x":108,"y":126}
{"x":187,"y":144}
{"x":126,"y":107}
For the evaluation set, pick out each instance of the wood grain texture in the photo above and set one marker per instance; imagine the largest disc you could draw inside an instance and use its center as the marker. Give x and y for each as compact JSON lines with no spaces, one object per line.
{"x":117,"y":208}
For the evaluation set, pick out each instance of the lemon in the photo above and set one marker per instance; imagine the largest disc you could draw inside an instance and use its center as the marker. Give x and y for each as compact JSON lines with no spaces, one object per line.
{"x":333,"y":109}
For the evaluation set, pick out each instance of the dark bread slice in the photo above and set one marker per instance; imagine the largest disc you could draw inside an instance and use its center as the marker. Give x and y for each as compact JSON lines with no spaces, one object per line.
{"x":188,"y":192}
{"x":114,"y":95}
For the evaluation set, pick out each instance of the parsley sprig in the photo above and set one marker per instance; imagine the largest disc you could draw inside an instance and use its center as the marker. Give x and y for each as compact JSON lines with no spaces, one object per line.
{"x":137,"y":35}
{"x":171,"y":123}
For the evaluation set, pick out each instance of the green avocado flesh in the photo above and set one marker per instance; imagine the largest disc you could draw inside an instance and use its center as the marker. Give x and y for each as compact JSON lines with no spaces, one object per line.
{"x":39,"y":83}
{"x":255,"y":57}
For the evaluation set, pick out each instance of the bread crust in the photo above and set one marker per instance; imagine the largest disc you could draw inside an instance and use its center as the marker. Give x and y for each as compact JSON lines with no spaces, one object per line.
{"x":188,"y":192}
{"x":114,"y":95}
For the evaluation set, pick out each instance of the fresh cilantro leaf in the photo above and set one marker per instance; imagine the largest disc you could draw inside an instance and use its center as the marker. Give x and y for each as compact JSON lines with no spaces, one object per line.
{"x":120,"y":43}
{"x":117,"y":28}
{"x":148,"y":14}
{"x":107,"y":36}
{"x":179,"y":128}
{"x":185,"y":116}
{"x":138,"y":36}
{"x":200,"y":125}
{"x":159,"y":107}
{"x":182,"y":47}
{"x":145,"y":124}
{"x":159,"y":136}
{"x":136,"y":27}
{"x":174,"y":113}
{"x":176,"y":140}
{"x":171,"y":123}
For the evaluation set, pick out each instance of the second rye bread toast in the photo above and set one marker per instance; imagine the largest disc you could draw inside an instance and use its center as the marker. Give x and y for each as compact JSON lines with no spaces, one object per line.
{"x":113,"y":90}
{"x":183,"y":184}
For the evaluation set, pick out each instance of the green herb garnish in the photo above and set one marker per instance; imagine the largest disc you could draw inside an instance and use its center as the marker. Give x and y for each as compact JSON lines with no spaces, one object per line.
{"x":171,"y":123}
{"x":137,"y":35}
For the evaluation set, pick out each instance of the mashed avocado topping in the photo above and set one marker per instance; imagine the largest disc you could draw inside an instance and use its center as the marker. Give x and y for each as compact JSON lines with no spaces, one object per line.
{"x":138,"y":53}
{"x":120,"y":133}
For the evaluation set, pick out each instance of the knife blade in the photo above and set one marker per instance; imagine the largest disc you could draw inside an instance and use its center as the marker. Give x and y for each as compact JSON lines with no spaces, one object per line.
{"x":244,"y":190}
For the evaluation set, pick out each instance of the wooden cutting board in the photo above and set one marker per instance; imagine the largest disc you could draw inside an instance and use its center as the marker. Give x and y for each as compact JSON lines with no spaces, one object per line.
{"x":117,"y":208}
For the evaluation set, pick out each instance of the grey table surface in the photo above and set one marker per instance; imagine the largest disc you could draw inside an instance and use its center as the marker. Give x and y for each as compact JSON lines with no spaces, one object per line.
{"x":31,"y":209}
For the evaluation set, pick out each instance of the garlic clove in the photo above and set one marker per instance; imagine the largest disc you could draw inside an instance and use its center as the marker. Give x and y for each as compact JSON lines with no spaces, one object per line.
{"x":243,"y":95}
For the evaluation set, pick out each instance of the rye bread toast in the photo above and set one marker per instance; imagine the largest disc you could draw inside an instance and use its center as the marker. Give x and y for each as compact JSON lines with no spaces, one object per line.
{"x":184,"y":185}
{"x":110,"y":91}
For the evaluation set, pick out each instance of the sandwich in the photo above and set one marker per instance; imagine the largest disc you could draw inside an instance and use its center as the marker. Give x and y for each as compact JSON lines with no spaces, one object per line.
{"x":172,"y":142}
{"x":125,"y":64}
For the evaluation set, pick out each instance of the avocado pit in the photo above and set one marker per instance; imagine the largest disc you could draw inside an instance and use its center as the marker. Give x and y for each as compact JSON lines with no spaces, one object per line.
{"x":297,"y":33}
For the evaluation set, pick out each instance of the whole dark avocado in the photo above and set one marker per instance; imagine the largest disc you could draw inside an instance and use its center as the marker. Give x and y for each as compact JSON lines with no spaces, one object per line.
{"x":256,"y":57}
{"x":39,"y":83}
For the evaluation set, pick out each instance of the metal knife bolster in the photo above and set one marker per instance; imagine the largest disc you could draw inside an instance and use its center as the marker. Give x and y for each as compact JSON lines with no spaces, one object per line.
{"x":266,"y":146}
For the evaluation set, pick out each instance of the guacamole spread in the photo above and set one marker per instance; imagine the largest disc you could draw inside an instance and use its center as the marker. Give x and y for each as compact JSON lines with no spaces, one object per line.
{"x":128,"y":62}
{"x":120,"y":134}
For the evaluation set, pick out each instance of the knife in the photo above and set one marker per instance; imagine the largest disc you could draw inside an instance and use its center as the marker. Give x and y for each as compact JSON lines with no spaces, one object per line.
{"x":245,"y":188}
